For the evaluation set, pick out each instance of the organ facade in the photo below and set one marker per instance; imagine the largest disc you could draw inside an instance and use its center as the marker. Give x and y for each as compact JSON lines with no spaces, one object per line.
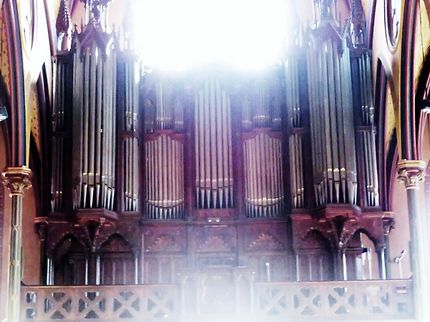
{"x":160,"y":178}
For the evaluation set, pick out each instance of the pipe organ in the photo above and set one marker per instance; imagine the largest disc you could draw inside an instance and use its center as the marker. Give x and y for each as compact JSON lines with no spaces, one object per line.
{"x":156,"y":175}
{"x":213,"y":135}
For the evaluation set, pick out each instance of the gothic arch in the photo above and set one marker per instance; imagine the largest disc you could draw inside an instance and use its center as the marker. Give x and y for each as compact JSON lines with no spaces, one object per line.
{"x":422,"y":101}
{"x":17,"y":97}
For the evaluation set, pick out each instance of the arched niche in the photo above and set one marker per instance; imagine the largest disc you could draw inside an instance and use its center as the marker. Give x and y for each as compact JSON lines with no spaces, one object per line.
{"x":315,"y":260}
{"x":117,"y":262}
{"x":362,"y":257}
{"x":69,"y":262}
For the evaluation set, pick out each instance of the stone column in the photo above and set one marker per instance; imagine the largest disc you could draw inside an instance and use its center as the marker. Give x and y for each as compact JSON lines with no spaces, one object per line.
{"x":412,"y":173}
{"x":17,"y":179}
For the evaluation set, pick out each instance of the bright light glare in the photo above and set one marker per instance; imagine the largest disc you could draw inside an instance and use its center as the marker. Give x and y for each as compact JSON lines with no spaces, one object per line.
{"x":181,"y":34}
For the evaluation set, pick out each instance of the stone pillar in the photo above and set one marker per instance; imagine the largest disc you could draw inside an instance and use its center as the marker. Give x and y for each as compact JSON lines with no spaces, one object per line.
{"x":17,"y":179}
{"x":412,"y":173}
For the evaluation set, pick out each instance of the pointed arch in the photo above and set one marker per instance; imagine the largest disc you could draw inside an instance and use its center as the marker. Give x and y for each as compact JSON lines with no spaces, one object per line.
{"x":17,"y":98}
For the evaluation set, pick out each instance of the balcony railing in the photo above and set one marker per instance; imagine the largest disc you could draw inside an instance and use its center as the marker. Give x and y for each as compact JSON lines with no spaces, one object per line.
{"x":240,"y":301}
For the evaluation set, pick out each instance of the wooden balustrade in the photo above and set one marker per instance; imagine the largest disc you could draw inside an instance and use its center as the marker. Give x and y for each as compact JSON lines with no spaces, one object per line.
{"x":100,"y":303}
{"x":339,"y":300}
{"x":301,"y":301}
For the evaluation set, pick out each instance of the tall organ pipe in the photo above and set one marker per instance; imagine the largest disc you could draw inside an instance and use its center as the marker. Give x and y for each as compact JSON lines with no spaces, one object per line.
{"x":164,"y":178}
{"x":294,"y":113}
{"x":164,"y":154}
{"x":332,"y":127}
{"x":264,"y":193}
{"x":94,"y":124}
{"x":128,"y":105}
{"x":366,"y":135}
{"x":262,"y":151}
{"x":214,"y":170}
{"x":61,"y":76}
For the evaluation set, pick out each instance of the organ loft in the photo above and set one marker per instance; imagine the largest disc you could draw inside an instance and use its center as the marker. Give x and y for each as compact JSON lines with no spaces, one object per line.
{"x":140,"y":191}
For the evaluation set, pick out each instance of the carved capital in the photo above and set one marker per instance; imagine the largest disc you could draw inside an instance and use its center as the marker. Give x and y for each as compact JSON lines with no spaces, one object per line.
{"x":411,"y":172}
{"x":17,"y":179}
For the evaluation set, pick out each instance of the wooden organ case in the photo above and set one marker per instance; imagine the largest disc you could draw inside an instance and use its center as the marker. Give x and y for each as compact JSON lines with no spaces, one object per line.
{"x":178,"y":179}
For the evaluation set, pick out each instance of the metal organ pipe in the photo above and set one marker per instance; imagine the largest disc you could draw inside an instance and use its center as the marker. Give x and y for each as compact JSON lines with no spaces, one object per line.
{"x":263,"y":176}
{"x":262,"y":150}
{"x":214,"y":169}
{"x":366,"y":138}
{"x":94,"y":137}
{"x":332,"y":128}
{"x":60,"y":78}
{"x":295,"y":138}
{"x":164,"y":178}
{"x":130,"y":142}
{"x":164,"y":155}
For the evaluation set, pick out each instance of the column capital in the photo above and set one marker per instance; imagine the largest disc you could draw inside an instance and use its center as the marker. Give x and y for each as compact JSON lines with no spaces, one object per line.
{"x":411,"y":172}
{"x":17,"y":179}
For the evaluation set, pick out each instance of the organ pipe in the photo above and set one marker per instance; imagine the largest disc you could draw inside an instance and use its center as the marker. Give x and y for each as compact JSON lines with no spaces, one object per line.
{"x":164,"y":154}
{"x":295,"y":139}
{"x":264,"y":193}
{"x":262,"y":150}
{"x":332,"y":128}
{"x":366,"y":136}
{"x":128,"y":104}
{"x":58,"y":128}
{"x":94,"y":126}
{"x":213,"y":149}
{"x":165,"y":111}
{"x":164,"y":184}
{"x":261,"y":108}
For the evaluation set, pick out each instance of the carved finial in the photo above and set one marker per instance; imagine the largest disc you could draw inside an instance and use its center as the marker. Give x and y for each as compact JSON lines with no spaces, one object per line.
{"x":95,"y":10}
{"x":63,"y":18}
{"x":358,"y":23}
{"x":17,"y":179}
{"x":411,"y":172}
{"x":323,"y":11}
{"x":63,"y":26}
